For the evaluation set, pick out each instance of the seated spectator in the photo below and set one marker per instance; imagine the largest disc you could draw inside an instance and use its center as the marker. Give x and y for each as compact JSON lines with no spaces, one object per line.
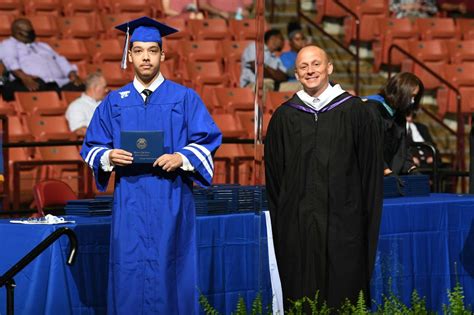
{"x":457,"y":8}
{"x":413,"y":8}
{"x":79,"y":113}
{"x":2,"y":76}
{"x":35,"y":66}
{"x":227,"y":9}
{"x":297,"y":41}
{"x":187,"y":9}
{"x":274,"y":70}
{"x":418,"y":132}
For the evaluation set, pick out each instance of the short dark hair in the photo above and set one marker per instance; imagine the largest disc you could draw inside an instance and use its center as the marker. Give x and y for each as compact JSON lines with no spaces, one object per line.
{"x":159,"y":45}
{"x":398,"y":90}
{"x":270,"y":33}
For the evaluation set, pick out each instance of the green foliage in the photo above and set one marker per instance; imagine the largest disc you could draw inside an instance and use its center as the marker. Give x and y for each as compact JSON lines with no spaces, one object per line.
{"x":206,"y":306}
{"x":391,"y":305}
{"x":257,"y":305}
{"x":241,"y":309}
{"x":361,"y":307}
{"x":456,"y":302}
{"x":418,"y":304}
{"x":347,"y":308}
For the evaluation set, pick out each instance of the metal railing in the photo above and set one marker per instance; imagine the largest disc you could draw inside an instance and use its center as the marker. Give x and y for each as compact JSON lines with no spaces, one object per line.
{"x":7,"y":278}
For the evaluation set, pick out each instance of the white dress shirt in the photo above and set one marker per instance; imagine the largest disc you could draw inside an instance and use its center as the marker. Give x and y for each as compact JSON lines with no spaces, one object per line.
{"x":317,"y":103}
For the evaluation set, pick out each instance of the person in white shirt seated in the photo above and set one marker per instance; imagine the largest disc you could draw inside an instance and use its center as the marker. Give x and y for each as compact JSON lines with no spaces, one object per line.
{"x":79,"y":113}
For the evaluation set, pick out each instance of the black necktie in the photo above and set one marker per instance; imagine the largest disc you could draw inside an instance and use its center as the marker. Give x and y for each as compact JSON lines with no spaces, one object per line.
{"x":147,"y":93}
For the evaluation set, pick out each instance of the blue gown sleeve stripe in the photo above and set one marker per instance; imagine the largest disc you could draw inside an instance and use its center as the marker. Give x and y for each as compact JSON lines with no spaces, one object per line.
{"x":92,"y":154}
{"x":205,"y":152}
{"x":202,"y":158}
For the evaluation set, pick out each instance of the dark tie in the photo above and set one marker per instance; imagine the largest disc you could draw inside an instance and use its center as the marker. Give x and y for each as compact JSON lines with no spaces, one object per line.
{"x":409,"y":134}
{"x":147,"y":93}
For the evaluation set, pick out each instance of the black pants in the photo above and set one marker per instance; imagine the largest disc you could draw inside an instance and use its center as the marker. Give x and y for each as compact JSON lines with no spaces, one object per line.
{"x":11,"y":87}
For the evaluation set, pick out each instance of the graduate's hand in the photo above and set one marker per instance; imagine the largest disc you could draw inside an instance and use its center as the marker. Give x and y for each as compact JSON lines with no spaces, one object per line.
{"x":120,"y":157}
{"x":169,"y":162}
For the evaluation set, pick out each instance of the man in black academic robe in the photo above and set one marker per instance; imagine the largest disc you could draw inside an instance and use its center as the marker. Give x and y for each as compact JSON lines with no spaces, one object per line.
{"x":324,"y":177}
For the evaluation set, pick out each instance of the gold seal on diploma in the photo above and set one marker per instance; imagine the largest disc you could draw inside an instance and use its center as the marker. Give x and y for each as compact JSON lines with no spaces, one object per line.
{"x":142,"y":143}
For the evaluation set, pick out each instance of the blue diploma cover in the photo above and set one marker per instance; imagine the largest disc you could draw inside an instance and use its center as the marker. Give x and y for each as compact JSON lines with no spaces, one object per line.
{"x":146,"y":146}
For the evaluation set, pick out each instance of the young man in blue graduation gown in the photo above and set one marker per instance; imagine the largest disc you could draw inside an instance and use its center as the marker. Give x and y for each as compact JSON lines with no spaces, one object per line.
{"x":153,"y":246}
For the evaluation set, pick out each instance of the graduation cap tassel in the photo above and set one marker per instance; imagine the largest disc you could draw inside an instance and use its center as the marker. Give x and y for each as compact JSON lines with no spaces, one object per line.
{"x":123,"y":64}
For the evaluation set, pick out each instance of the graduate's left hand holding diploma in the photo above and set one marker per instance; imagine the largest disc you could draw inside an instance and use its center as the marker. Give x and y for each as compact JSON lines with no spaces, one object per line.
{"x":168,"y":162}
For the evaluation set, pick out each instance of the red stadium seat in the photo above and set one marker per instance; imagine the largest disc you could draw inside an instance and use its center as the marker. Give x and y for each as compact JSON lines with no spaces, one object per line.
{"x":40,"y":103}
{"x":44,"y":25}
{"x":232,"y":51}
{"x":11,"y":7}
{"x":465,"y":28}
{"x":328,"y":8}
{"x":73,"y":49}
{"x":232,"y":164}
{"x":7,"y":108}
{"x":247,"y":119}
{"x":73,"y":7}
{"x":5,"y":25}
{"x":200,"y":74}
{"x":170,"y":72}
{"x":114,"y":75}
{"x":17,"y":129}
{"x":52,"y":7}
{"x":368,"y":12}
{"x":70,"y":173}
{"x":69,"y":96}
{"x":102,"y":50}
{"x":52,"y":193}
{"x":80,"y":26}
{"x":235,"y":99}
{"x":134,"y":6}
{"x":432,"y":53}
{"x":50,"y":128}
{"x":460,"y":76}
{"x":403,"y":28}
{"x":392,"y":31}
{"x":436,"y":28}
{"x":461,"y":51}
{"x":27,"y":177}
{"x":109,"y":21}
{"x":200,"y":50}
{"x":234,"y":71}
{"x":211,"y":29}
{"x":273,"y":99}
{"x":243,"y":29}
{"x":229,"y":125}
{"x":179,"y":24}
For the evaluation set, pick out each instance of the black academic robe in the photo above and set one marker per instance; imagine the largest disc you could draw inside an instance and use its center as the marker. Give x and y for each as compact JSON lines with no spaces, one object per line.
{"x":395,"y":148}
{"x":325,"y":186}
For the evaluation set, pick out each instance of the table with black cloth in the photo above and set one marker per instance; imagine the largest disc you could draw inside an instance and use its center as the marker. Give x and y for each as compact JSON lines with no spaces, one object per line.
{"x":228,"y":256}
{"x":425,"y":243}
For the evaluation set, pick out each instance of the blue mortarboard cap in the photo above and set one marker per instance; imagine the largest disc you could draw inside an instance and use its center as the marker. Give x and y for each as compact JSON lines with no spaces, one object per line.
{"x":143,"y":29}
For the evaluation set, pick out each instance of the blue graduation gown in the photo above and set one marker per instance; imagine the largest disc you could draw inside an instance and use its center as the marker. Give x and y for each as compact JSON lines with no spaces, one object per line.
{"x":153,"y":246}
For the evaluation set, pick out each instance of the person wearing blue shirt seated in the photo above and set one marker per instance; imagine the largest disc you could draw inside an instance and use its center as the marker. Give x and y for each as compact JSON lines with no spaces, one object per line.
{"x":152,"y":264}
{"x":297,"y":41}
